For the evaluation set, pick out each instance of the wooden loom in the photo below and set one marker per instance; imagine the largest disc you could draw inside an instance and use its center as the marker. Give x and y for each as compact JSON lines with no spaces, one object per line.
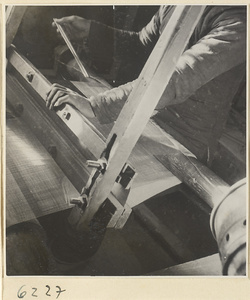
{"x":92,"y":138}
{"x":89,"y":140}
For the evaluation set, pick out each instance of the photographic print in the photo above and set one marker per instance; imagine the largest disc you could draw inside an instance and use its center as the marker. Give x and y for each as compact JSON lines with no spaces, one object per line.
{"x":126,"y":142}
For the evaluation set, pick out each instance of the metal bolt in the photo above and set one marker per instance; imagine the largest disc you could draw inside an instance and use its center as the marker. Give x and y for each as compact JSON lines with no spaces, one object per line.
{"x":93,"y":164}
{"x":30,"y":76}
{"x":81,"y":202}
{"x":66,"y":115}
{"x":100,"y":165}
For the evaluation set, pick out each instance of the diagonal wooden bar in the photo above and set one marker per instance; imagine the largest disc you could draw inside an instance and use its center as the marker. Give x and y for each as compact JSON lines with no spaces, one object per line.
{"x":14,"y":15}
{"x":143,"y":100}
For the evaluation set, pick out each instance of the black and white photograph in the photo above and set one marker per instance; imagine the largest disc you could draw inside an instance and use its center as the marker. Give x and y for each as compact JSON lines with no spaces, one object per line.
{"x":126,"y":141}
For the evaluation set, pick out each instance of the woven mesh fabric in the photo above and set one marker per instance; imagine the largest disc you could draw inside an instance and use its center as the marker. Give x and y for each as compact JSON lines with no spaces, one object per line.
{"x":34,"y":182}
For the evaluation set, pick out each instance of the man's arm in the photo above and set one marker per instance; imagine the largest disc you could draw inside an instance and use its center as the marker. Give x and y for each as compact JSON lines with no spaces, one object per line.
{"x":221,"y":49}
{"x":103,"y":42}
{"x":122,"y":43}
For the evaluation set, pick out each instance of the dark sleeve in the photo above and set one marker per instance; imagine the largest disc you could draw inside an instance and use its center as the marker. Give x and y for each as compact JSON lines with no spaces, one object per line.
{"x":105,"y":42}
{"x":222,"y":48}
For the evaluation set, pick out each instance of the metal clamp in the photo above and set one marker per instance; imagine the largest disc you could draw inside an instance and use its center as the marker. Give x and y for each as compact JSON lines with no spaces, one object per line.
{"x":100,"y":168}
{"x":30,"y":76}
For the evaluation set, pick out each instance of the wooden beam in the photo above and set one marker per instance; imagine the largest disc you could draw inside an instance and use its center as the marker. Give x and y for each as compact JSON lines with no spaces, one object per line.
{"x":69,"y":154}
{"x":14,"y":15}
{"x":143,"y":99}
{"x":198,"y":177}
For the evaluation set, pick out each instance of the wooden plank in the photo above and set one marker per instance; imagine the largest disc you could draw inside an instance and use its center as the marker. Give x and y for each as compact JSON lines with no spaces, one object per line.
{"x":206,"y":266}
{"x":69,"y":154}
{"x":14,"y":15}
{"x":79,"y":125}
{"x":152,"y":179}
{"x":118,"y":212}
{"x":124,"y":217}
{"x":143,"y":99}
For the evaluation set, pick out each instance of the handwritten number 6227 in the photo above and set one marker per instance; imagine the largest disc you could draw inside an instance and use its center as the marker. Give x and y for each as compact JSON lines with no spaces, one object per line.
{"x":22,"y":293}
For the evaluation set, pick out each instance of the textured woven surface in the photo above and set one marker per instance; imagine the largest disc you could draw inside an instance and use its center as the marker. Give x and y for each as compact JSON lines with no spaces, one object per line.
{"x":34,"y":183}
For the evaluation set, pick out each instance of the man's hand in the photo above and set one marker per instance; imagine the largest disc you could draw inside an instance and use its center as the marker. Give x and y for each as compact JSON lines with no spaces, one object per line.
{"x":76,"y":28}
{"x":59,"y":95}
